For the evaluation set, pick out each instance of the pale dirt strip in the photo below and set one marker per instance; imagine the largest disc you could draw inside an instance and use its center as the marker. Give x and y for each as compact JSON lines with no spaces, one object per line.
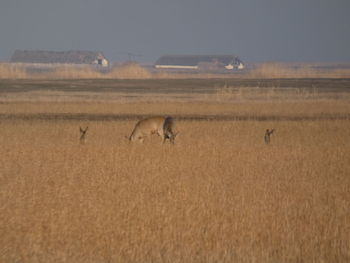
{"x":180,"y":117}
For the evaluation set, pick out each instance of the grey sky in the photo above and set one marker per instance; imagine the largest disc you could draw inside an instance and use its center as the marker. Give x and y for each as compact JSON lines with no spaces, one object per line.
{"x":255,"y":30}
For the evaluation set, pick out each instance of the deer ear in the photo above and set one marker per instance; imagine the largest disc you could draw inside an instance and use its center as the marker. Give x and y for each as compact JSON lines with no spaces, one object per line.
{"x":80,"y":129}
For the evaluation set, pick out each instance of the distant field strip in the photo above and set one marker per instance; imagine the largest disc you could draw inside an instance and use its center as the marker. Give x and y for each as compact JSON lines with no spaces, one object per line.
{"x":182,"y":117}
{"x":170,"y":85}
{"x":174,"y":90}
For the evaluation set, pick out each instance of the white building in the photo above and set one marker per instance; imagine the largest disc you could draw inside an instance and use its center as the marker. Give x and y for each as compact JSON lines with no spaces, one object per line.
{"x":199,"y":61}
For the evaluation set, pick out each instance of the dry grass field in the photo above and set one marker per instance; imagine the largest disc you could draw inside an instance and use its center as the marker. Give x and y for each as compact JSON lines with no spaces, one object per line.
{"x":267,"y":70}
{"x":220,"y":194}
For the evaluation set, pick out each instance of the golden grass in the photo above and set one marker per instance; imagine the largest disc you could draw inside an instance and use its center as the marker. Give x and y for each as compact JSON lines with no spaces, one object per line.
{"x":270,"y":70}
{"x":219,"y":195}
{"x":12,"y":71}
{"x":129,"y":71}
{"x":71,"y":71}
{"x":301,"y":70}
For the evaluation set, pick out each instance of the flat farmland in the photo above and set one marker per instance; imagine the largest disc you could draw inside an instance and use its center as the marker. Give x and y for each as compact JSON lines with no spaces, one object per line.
{"x":220,"y":194}
{"x":180,"y":90}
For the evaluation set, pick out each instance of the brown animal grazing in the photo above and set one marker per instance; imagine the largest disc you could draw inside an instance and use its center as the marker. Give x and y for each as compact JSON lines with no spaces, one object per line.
{"x":267,"y":135}
{"x":83,"y":134}
{"x":163,"y":126}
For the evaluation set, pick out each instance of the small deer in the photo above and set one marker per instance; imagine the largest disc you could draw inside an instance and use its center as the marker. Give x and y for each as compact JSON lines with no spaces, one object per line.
{"x":83,"y":134}
{"x":163,"y":126}
{"x":267,"y":135}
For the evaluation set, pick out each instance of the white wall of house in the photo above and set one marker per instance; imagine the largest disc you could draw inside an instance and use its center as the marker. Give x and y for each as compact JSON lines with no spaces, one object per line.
{"x":241,"y":66}
{"x":104,"y":63}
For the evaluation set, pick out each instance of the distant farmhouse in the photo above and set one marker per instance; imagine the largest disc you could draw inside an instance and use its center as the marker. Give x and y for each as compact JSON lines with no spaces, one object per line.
{"x":59,"y":57}
{"x":199,"y":62}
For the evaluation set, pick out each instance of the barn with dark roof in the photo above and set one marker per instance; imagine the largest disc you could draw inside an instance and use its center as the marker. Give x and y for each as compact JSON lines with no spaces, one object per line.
{"x":59,"y":57}
{"x":199,"y":61}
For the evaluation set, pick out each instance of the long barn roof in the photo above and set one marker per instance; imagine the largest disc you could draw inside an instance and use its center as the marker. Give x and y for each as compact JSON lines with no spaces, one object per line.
{"x":194,"y":60}
{"x":65,"y":57}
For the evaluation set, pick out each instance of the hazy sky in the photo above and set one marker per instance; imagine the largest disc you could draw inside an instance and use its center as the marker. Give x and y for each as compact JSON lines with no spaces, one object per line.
{"x":255,"y":30}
